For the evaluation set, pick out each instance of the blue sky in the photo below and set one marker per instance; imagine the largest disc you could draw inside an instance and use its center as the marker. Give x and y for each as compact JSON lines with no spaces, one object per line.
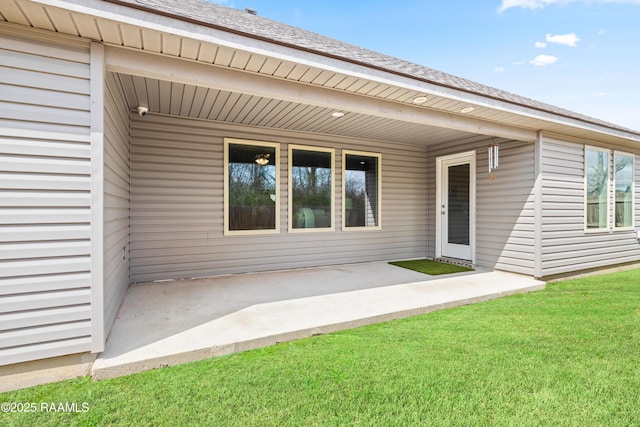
{"x":583,"y":55}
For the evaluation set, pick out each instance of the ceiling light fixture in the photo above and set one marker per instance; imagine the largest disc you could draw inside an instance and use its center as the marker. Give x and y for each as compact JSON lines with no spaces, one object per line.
{"x":419,"y":100}
{"x":262,"y":159}
{"x":337,"y":114}
{"x":466,"y":110}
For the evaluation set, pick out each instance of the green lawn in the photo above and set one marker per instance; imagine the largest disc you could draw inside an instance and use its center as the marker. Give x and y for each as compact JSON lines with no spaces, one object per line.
{"x":565,"y":356}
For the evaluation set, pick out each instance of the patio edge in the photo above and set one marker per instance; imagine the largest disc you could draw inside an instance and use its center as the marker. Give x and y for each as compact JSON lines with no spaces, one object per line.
{"x":107,"y":372}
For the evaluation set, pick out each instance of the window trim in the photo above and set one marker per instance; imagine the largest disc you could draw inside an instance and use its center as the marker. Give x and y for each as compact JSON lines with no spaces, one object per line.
{"x":379,"y":183}
{"x":586,"y":188}
{"x":613,"y":192}
{"x":331,"y":151}
{"x":276,"y":146}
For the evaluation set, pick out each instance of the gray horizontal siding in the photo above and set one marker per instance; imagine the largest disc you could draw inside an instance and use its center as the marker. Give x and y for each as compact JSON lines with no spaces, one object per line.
{"x":44,"y":198}
{"x":565,"y":246}
{"x":116,"y":199}
{"x":177,"y":205}
{"x":504,"y":207}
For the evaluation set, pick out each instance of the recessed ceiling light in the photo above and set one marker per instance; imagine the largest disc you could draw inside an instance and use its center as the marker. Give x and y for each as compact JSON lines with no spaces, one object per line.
{"x":337,"y":114}
{"x":466,"y":110}
{"x":419,"y":99}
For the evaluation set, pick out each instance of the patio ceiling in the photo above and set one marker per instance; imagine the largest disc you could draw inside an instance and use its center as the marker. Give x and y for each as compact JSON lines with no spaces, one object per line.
{"x":117,"y":25}
{"x":199,"y":102}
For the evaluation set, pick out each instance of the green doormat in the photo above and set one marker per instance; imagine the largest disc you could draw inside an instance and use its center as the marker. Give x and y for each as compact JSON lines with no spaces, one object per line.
{"x":430,"y":267}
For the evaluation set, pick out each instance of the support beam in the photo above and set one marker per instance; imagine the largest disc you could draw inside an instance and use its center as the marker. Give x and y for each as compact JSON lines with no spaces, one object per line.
{"x":539,"y":212}
{"x":97,"y":198}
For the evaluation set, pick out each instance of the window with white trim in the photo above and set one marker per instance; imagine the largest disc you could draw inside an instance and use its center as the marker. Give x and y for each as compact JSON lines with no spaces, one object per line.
{"x":609,"y":179}
{"x":361,"y":189}
{"x":311,"y":188}
{"x":251,"y":182}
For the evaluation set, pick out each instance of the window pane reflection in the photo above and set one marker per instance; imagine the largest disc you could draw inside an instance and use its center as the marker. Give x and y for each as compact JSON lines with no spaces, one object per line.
{"x":624,"y":190}
{"x":597,"y":170}
{"x":311,"y":187}
{"x":252,"y":187}
{"x":362,"y":191}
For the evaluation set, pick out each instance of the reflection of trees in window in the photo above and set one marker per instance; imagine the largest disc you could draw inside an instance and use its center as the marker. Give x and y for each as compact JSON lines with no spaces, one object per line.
{"x":252,"y":187}
{"x":311,"y":192}
{"x":355,"y":194}
{"x":623,"y":190}
{"x":598,"y":175}
{"x":597,"y":170}
{"x":361,"y":191}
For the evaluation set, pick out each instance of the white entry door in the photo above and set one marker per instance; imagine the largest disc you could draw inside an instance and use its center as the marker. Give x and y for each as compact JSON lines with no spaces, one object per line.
{"x":456,"y":206}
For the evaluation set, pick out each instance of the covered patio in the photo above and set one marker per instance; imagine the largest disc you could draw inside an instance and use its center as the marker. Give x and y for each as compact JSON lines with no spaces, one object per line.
{"x":171,"y":200}
{"x":170,"y":322}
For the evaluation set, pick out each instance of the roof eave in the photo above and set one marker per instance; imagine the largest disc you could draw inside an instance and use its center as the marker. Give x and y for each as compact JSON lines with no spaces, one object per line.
{"x":450,"y":91}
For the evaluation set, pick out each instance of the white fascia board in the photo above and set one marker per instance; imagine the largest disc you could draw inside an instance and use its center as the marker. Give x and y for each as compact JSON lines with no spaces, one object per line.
{"x":175,"y":26}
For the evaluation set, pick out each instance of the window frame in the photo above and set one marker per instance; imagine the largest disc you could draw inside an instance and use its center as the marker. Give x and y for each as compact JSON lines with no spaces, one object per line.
{"x":274,"y":145}
{"x":378,"y":156}
{"x":332,"y":152}
{"x":607,"y":228}
{"x":613,"y":193}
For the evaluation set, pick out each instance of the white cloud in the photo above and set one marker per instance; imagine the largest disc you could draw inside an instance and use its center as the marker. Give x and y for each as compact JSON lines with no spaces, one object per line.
{"x":566,"y":39}
{"x":542,"y":60}
{"x":499,"y":69}
{"x":541,"y":45}
{"x":527,"y":4}
{"x":540,"y":4}
{"x":520,"y":62}
{"x":601,"y":32}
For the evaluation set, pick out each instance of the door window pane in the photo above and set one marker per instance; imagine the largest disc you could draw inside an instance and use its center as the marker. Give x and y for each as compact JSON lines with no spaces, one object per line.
{"x":252,"y":182}
{"x":458,"y":198}
{"x":311,"y":189}
{"x":597,"y":171}
{"x":361,"y":202}
{"x":623,"y":180}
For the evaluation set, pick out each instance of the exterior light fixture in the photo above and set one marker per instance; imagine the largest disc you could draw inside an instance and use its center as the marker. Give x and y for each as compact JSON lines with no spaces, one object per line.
{"x":466,"y":110}
{"x":419,"y":100}
{"x":494,"y":154}
{"x":262,"y":159}
{"x":337,"y":114}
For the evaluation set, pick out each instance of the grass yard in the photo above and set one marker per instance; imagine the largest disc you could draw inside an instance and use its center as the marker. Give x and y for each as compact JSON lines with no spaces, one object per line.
{"x":565,"y":356}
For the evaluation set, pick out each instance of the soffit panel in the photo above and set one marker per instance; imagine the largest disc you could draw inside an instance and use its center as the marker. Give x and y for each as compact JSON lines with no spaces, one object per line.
{"x":231,"y":107}
{"x":10,"y":12}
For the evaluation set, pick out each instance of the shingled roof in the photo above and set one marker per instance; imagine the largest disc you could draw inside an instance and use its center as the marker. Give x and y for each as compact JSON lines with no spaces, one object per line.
{"x":228,"y":19}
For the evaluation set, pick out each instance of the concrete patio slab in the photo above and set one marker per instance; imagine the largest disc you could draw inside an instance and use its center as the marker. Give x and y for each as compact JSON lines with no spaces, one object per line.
{"x":168,"y":323}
